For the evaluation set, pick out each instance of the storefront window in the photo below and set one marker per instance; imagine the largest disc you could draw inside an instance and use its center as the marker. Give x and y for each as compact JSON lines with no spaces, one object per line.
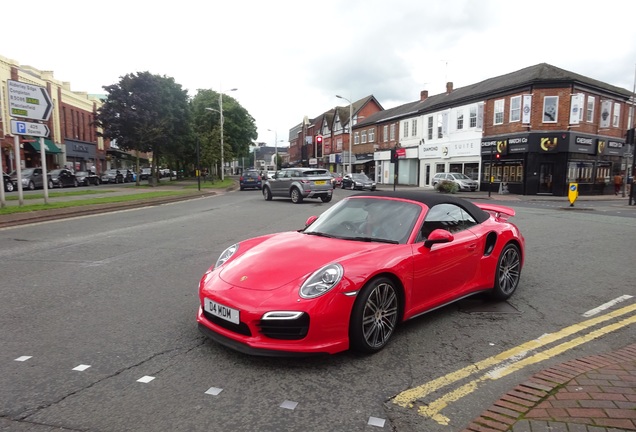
{"x":580,"y":172}
{"x":508,"y":172}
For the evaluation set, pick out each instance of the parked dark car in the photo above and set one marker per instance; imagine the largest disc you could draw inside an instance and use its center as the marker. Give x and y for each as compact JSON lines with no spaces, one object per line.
{"x":32,"y":178}
{"x":63,"y":177}
{"x":112,"y":176}
{"x":358,"y":181}
{"x":251,"y":179}
{"x":8,"y":183}
{"x":86,"y":178}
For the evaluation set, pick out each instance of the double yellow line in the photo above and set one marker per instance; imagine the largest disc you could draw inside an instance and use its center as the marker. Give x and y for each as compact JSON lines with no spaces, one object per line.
{"x":508,"y":362}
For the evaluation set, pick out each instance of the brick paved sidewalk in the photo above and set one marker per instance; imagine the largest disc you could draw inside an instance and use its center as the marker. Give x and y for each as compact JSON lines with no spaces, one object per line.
{"x":591,"y":394}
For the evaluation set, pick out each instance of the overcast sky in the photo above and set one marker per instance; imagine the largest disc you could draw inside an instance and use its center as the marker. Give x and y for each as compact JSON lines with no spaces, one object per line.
{"x":290,"y":58}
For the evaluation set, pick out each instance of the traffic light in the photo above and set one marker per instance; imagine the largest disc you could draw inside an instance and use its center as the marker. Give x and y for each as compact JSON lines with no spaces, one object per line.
{"x":394,"y":157}
{"x":498,"y":156}
{"x":319,"y":140}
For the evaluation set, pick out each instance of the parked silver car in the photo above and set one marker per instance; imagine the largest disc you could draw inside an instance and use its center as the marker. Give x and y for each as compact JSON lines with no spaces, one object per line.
{"x":464,"y":182}
{"x":298,"y":184}
{"x":32,"y":178}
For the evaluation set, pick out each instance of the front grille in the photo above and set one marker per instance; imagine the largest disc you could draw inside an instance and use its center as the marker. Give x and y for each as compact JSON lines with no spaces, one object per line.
{"x":240,"y":328}
{"x":285,"y":328}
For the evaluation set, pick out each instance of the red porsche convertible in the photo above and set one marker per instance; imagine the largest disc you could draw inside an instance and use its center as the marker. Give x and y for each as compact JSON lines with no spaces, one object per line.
{"x":354,"y":273}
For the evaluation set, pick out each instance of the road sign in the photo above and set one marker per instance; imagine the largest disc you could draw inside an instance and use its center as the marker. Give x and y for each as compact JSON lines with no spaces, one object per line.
{"x":27,"y":128}
{"x":28,"y":101}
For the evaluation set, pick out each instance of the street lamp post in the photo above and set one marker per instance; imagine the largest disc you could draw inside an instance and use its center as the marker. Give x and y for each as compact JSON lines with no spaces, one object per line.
{"x":275,"y":149}
{"x":220,"y":111}
{"x":350,"y":129}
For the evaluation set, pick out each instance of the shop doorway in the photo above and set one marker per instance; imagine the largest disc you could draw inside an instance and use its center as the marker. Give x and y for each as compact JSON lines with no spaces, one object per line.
{"x":545,"y":178}
{"x":428,"y":175}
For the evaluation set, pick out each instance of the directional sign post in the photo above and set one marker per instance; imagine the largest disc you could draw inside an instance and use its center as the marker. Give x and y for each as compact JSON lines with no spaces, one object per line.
{"x":27,"y":128}
{"x":28,"y":101}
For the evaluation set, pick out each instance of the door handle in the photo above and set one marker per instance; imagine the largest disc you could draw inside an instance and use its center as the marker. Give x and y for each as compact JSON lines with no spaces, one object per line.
{"x":471,"y":247}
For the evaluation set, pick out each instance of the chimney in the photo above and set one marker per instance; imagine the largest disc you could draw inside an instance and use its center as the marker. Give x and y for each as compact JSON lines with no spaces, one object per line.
{"x":423,"y":95}
{"x":449,"y":87}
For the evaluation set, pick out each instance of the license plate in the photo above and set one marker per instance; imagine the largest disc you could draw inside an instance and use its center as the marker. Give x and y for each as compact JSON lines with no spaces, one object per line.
{"x":222,"y":311}
{"x":320,"y":182}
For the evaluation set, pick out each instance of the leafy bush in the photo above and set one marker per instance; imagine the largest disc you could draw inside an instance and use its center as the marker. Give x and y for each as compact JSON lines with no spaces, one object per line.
{"x":447,"y":186}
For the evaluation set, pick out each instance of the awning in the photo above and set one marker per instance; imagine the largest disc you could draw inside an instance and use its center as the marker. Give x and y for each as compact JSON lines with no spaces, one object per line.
{"x":362,"y":161}
{"x":49,"y":146}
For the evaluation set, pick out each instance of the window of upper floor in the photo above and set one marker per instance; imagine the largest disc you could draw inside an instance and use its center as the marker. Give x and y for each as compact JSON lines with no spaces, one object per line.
{"x":460,"y":119}
{"x":363,"y":136}
{"x":392,"y":132}
{"x":356,"y":138}
{"x":617,"y":115}
{"x":385,"y":133}
{"x":515,"y":108}
{"x":499,"y":112}
{"x":473,"y":116}
{"x":337,"y":126}
{"x":589,"y":113}
{"x":371,"y":134}
{"x":429,"y":128}
{"x":414,"y":127}
{"x":406,"y":128}
{"x":550,"y":109}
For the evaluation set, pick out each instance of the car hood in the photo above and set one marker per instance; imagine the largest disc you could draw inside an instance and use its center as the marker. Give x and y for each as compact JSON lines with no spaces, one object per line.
{"x":283,"y":258}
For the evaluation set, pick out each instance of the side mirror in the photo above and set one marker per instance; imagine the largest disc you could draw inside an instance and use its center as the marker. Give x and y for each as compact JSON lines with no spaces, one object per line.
{"x":310,"y":220}
{"x":438,"y":236}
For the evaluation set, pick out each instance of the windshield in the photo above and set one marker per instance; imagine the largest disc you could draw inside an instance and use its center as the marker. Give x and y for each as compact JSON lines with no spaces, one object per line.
{"x":26,"y":171}
{"x":368,"y":219}
{"x":360,"y":176}
{"x":56,"y":171}
{"x":460,"y":176}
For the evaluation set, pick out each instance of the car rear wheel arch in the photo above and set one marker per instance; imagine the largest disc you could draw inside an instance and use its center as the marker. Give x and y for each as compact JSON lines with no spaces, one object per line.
{"x":508,"y":271}
{"x":295,"y":195}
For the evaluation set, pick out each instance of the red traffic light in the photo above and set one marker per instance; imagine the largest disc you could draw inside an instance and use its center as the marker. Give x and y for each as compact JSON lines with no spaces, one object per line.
{"x":498,"y":156}
{"x":319,"y":139}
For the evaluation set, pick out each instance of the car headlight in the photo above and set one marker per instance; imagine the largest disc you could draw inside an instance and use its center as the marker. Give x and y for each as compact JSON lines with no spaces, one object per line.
{"x":226,"y":255}
{"x":321,"y":281}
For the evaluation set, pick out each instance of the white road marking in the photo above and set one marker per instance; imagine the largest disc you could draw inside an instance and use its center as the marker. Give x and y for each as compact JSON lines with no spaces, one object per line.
{"x":607,"y":305}
{"x":375,"y":421}
{"x":81,"y":367}
{"x":145,"y":379}
{"x":23,"y":358}
{"x":289,"y":405}
{"x":214,"y":391}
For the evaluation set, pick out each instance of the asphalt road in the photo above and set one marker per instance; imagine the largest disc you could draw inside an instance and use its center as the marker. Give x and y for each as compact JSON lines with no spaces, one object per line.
{"x":114,"y":296}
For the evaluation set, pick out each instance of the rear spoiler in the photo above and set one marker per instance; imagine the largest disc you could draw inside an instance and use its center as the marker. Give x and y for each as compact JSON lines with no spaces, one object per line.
{"x":498,"y":211}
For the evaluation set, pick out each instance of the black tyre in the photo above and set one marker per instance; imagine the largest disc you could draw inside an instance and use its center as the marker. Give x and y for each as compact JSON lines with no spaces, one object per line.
{"x":31,"y":186}
{"x":296,"y":196}
{"x":8,"y":186}
{"x":342,"y":185}
{"x":50,"y":184}
{"x":75,"y":183}
{"x":325,"y":199}
{"x":353,"y":186}
{"x":374,"y":316}
{"x":508,"y":273}
{"x":267,"y":194}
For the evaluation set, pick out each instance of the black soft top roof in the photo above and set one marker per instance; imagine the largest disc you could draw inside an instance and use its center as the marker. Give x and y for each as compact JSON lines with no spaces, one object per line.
{"x":431,"y":199}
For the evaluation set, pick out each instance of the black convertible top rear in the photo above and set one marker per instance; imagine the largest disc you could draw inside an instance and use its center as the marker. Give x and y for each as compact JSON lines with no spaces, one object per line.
{"x":431,"y":199}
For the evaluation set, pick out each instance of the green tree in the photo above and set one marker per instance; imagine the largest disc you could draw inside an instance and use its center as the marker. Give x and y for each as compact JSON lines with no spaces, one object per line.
{"x":239,"y":128}
{"x":147,"y":113}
